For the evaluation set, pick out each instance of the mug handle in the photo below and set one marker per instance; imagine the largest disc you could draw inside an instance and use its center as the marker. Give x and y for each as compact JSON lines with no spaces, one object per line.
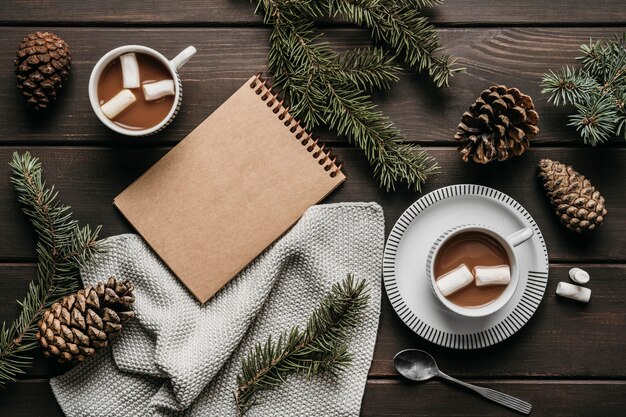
{"x":182,"y":58}
{"x":519,"y":237}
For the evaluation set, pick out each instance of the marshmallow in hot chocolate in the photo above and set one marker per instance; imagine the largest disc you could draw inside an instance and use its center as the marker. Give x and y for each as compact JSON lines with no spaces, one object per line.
{"x":492,"y":275}
{"x":120,"y":102}
{"x":455,"y":280}
{"x":130,"y":70}
{"x":159,"y":89}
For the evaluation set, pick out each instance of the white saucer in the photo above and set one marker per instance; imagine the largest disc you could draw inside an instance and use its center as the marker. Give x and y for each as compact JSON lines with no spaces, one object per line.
{"x":407,"y":248}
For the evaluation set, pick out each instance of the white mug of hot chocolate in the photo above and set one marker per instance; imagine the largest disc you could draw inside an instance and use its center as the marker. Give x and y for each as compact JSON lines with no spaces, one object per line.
{"x":171,"y":65}
{"x":508,"y":244}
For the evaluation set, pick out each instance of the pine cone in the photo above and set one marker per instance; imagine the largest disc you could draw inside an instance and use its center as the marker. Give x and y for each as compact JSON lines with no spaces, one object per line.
{"x":42,"y":64}
{"x":72,"y":329}
{"x":498,"y":125}
{"x":578,"y":204}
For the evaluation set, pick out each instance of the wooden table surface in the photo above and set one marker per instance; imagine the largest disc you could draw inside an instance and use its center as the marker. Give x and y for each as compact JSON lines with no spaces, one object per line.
{"x":569,"y":360}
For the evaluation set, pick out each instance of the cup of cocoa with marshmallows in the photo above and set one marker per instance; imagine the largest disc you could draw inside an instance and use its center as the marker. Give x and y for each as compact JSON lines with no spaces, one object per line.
{"x":473,"y":269}
{"x":134,"y":90}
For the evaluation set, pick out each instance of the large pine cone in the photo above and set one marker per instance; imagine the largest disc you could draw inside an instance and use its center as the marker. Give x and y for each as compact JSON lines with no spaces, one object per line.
{"x":578,"y":204}
{"x":42,"y":64}
{"x":72,"y":329}
{"x":498,"y":125}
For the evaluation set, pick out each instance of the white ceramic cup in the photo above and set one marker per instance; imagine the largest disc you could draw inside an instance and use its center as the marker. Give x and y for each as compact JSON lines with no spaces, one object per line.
{"x":173,"y":66}
{"x":508,"y":243}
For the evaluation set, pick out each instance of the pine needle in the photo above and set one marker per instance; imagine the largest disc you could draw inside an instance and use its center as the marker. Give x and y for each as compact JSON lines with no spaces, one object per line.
{"x":568,"y":86}
{"x":597,"y":90}
{"x":595,"y":119}
{"x":62,"y":247}
{"x":400,"y":25}
{"x":320,"y":348}
{"x":324,"y":87}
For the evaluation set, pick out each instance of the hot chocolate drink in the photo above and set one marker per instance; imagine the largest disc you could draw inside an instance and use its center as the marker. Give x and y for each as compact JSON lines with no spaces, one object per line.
{"x":135,"y":105}
{"x":473,"y":249}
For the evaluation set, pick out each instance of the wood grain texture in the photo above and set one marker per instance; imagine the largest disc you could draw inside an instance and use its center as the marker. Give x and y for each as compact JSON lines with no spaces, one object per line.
{"x":240,"y":12}
{"x":89,"y":178}
{"x":555,"y":343}
{"x":549,"y":398}
{"x":399,"y":398}
{"x":227,"y":57}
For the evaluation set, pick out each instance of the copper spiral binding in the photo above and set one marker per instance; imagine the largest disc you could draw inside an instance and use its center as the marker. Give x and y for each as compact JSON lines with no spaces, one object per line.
{"x":319,"y":152}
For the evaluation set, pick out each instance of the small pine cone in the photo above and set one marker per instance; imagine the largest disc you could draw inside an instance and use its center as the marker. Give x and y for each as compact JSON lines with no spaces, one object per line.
{"x":74,"y":328}
{"x":578,"y":204}
{"x":43,"y":63}
{"x":500,"y":124}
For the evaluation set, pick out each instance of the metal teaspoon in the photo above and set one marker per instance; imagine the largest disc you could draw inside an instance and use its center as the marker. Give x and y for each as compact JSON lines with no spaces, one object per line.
{"x":418,"y":365}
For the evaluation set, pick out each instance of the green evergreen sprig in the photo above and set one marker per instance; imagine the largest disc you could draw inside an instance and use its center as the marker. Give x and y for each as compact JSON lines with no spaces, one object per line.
{"x":597,"y":90}
{"x":323,"y":87}
{"x":320,"y":348}
{"x":62,"y":247}
{"x":400,"y":25}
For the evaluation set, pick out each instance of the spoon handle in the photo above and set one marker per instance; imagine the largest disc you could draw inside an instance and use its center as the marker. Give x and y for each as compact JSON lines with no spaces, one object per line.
{"x":493,"y":395}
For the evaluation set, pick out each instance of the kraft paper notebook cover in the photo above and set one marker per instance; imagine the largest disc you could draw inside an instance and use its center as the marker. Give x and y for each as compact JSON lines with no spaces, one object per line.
{"x":229,"y":189}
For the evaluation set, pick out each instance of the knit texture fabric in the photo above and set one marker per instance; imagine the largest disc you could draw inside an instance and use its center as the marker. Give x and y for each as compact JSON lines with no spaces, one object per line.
{"x":181,"y":358}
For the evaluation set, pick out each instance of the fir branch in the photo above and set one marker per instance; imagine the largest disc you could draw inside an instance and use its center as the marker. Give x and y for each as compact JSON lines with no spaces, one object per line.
{"x":567,"y":86}
{"x":323,"y":88}
{"x":353,"y":115}
{"x":62,"y":248}
{"x":620,"y":102}
{"x":595,"y":119}
{"x":365,"y":69}
{"x":597,"y":90}
{"x":321,"y":348}
{"x":400,"y":25}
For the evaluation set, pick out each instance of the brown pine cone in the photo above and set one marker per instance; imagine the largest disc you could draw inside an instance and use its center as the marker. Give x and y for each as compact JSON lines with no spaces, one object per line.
{"x":43,"y":63}
{"x":500,"y":124}
{"x":72,"y":329}
{"x":578,"y":204}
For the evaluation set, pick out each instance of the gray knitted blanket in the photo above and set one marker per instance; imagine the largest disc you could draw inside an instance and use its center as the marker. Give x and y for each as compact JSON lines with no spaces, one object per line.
{"x":181,"y":358}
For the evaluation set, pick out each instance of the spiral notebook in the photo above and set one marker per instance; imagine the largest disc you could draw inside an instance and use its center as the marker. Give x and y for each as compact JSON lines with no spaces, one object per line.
{"x":234,"y":185}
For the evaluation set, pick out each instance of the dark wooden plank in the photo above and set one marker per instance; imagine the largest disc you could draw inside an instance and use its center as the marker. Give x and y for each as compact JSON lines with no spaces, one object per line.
{"x":227,"y":57}
{"x":391,"y":398}
{"x":89,"y":179}
{"x":556,"y":342}
{"x":32,"y":398}
{"x":549,"y":398}
{"x":231,"y":12}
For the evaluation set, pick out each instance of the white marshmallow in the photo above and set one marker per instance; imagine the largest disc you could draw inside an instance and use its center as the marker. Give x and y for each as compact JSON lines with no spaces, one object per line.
{"x":118,"y":104}
{"x":130,"y":70}
{"x":579,"y":276}
{"x":159,"y":89}
{"x":575,"y":292}
{"x":492,"y":275}
{"x":452,"y":281}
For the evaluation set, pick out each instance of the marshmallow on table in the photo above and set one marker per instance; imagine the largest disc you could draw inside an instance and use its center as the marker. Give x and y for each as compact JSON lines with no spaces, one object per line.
{"x":130,"y":70}
{"x":118,"y":104}
{"x":579,"y":276}
{"x":492,"y":275}
{"x":452,"y":281}
{"x":575,"y":292}
{"x":159,"y":89}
